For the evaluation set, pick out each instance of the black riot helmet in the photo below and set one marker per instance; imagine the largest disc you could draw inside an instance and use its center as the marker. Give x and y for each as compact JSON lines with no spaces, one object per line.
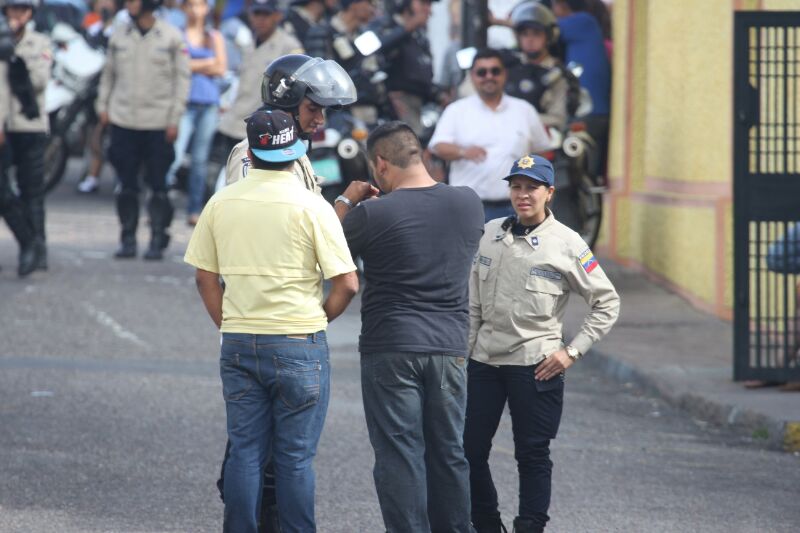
{"x":292,"y":77}
{"x":151,"y":5}
{"x":532,"y":14}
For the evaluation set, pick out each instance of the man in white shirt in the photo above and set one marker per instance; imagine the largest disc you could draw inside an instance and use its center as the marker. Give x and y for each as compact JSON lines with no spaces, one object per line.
{"x":483,"y":134}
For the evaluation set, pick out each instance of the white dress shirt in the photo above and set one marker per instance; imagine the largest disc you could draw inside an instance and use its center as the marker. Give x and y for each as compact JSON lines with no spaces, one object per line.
{"x":507,"y":133}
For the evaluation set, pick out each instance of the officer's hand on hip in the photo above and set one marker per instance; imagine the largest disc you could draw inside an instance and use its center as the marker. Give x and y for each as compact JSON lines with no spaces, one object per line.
{"x":103,"y":118}
{"x":171,"y":134}
{"x":2,"y":137}
{"x":555,"y":364}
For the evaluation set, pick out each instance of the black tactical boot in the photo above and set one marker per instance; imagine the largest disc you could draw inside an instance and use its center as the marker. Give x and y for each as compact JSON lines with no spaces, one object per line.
{"x":160,"y":210}
{"x":36,"y":211}
{"x":23,"y":233}
{"x":488,"y":524}
{"x":522,"y":525}
{"x":128,"y":213}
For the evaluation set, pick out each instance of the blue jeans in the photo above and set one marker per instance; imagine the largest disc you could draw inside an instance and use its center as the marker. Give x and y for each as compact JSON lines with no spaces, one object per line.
{"x":493,"y":210}
{"x":414,"y":405}
{"x":276,"y":390}
{"x":198,"y":124}
{"x":535,"y":408}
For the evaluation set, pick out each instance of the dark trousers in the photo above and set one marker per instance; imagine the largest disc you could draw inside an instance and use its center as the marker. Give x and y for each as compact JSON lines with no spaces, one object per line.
{"x":597,"y":126}
{"x":27,"y":155}
{"x":129,"y":150}
{"x":535,"y":416}
{"x":414,"y":405}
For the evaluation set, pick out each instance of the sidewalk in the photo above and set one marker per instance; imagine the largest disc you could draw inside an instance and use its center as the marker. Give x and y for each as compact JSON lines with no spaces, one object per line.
{"x":665,"y":345}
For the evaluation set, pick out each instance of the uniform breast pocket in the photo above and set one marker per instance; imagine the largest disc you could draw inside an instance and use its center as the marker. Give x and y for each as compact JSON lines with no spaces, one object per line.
{"x":540,"y":297}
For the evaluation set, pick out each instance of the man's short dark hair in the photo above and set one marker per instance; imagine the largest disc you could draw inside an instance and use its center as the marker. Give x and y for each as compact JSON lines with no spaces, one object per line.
{"x":576,"y":5}
{"x":395,"y":142}
{"x":266,"y":165}
{"x":487,"y":53}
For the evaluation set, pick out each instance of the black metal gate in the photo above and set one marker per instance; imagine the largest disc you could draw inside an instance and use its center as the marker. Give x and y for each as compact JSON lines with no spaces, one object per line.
{"x":766,"y":196}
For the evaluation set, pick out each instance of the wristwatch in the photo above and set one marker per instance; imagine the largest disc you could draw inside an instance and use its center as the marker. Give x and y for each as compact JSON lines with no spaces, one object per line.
{"x":573,"y":353}
{"x":344,"y":199}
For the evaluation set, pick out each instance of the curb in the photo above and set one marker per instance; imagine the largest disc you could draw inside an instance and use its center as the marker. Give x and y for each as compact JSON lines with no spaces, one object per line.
{"x":760,"y":429}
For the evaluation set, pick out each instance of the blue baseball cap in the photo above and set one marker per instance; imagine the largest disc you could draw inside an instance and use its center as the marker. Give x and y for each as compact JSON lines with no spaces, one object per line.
{"x":272,"y":136}
{"x":535,"y":167}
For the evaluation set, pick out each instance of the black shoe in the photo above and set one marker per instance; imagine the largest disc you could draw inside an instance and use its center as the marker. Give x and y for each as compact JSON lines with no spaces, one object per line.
{"x":522,"y":525}
{"x":41,"y":254}
{"x":28,"y":260}
{"x":126,"y":250}
{"x":488,"y":524}
{"x":154,"y":252}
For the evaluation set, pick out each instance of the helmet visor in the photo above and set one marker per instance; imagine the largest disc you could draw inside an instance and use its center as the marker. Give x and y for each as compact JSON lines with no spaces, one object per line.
{"x":328,"y":83}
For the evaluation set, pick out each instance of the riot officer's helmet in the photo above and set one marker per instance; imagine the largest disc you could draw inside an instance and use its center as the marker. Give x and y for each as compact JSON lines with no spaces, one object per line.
{"x":292,"y":77}
{"x":532,"y":14}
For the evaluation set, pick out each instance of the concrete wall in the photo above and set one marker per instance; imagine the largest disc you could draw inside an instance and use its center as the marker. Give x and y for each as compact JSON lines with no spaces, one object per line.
{"x":669,"y":212}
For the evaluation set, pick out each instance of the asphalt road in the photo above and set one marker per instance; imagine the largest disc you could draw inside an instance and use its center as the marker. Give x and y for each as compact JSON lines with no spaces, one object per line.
{"x":112,"y":419}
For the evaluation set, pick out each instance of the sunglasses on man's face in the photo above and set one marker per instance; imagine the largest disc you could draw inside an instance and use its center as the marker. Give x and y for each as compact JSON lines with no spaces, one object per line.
{"x":494,"y":71}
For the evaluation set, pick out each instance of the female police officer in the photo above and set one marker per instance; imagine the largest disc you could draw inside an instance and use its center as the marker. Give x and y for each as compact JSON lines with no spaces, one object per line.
{"x":521,"y":279}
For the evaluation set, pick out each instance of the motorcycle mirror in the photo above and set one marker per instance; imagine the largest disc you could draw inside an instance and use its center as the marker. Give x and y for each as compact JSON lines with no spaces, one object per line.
{"x":575,"y":68}
{"x":465,"y":56}
{"x":368,"y":43}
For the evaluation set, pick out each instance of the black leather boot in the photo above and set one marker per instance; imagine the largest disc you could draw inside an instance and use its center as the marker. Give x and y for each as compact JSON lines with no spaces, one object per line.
{"x":128,"y":213}
{"x":160,"y":210}
{"x":36,"y":213}
{"x":23,"y":233}
{"x":488,"y":524}
{"x":522,"y":525}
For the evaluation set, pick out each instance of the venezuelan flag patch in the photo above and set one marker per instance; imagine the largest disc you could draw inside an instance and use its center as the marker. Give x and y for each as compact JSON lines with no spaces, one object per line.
{"x":588,"y":261}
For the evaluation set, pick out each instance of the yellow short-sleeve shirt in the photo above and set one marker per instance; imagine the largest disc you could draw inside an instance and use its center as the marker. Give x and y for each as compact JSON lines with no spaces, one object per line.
{"x":269,"y":238}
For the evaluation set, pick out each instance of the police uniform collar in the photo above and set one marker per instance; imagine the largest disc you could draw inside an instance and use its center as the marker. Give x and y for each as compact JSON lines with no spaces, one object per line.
{"x":504,"y":228}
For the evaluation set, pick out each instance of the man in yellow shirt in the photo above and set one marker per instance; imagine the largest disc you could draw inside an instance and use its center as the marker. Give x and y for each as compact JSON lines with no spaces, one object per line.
{"x":269,"y":238}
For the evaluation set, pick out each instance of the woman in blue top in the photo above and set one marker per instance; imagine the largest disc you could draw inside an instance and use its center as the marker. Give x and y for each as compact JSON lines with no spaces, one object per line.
{"x":207,"y":61}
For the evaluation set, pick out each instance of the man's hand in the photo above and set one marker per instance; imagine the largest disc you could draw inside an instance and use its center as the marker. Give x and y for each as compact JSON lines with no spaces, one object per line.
{"x":103,"y":118}
{"x":358,"y":191}
{"x":171,"y":134}
{"x":474,"y":153}
{"x":555,"y":364}
{"x":2,"y":137}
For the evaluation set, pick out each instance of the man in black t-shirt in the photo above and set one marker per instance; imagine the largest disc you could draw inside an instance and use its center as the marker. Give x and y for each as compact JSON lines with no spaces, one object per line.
{"x":417,"y":243}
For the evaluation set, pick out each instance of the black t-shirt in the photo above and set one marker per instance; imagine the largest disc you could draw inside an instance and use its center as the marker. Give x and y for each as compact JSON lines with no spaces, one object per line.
{"x":417,"y":246}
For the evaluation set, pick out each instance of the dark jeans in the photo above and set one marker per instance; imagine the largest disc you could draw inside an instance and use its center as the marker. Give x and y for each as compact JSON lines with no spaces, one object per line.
{"x":276,"y":390}
{"x":414,"y":405}
{"x":535,"y":416}
{"x":130,"y":149}
{"x":597,"y":126}
{"x":500,"y":209}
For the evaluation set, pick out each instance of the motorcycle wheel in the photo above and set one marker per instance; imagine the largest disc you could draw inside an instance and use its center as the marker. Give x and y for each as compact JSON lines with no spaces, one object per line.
{"x":590,"y":211}
{"x":580,"y":209}
{"x":55,"y":155}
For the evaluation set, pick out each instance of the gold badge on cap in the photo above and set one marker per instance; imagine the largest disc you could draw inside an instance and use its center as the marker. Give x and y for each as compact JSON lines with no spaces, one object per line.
{"x":526,"y":162}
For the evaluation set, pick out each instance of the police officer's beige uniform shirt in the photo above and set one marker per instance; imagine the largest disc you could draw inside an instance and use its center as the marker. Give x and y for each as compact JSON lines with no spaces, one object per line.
{"x":145,"y":83}
{"x":251,"y":72}
{"x":519,"y":288}
{"x":34,"y":49}
{"x":238,"y":165}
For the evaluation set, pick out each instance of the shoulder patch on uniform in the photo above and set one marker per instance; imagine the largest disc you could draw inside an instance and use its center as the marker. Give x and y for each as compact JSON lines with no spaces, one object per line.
{"x":549,"y":274}
{"x":588,"y":261}
{"x":487,"y":261}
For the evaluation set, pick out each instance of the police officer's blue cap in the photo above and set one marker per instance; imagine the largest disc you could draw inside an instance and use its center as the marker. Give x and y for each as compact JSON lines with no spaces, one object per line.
{"x":264,"y":6}
{"x":535,"y":167}
{"x":272,"y":136}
